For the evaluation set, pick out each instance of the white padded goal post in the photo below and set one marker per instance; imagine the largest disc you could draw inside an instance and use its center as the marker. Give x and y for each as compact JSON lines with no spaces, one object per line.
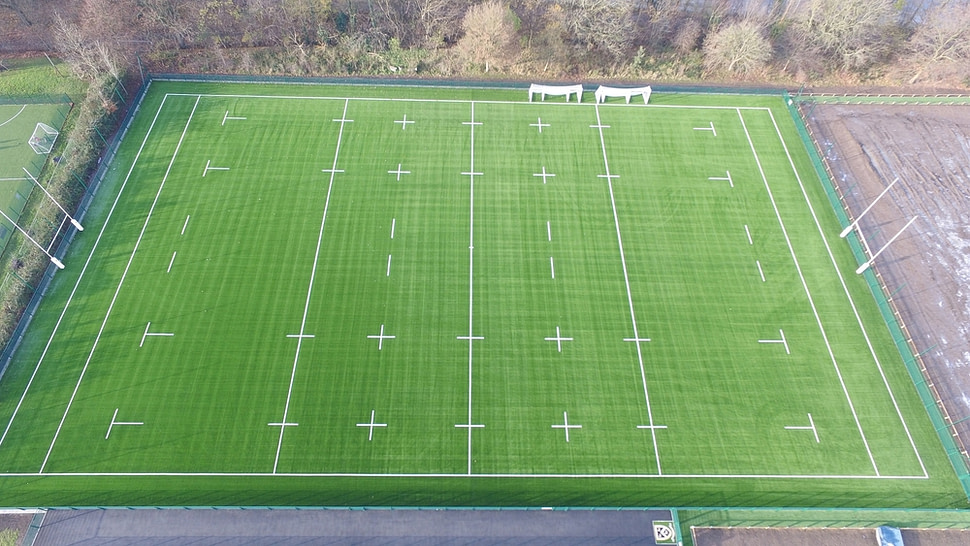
{"x":43,"y":139}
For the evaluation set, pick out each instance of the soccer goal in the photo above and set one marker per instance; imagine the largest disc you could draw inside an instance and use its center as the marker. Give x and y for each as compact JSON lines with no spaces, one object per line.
{"x":42,"y":141}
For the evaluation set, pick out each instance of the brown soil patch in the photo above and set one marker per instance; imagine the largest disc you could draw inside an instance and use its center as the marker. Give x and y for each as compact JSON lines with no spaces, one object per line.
{"x":928,"y":267}
{"x":17,"y":522}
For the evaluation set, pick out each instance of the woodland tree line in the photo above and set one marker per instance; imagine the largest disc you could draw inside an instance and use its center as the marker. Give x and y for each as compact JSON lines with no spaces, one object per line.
{"x":784,"y":41}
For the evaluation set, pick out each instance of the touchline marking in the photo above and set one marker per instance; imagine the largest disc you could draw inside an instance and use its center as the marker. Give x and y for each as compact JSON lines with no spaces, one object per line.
{"x":147,"y":333}
{"x":388,"y":274}
{"x":186,"y":224}
{"x":855,"y":311}
{"x":227,"y":116}
{"x":404,"y":122}
{"x":540,"y":125}
{"x":114,"y":298}
{"x":552,"y":267}
{"x":748,"y":233}
{"x":808,"y":294}
{"x":464,"y":475}
{"x":398,"y":172}
{"x":711,"y":129}
{"x":629,"y":293}
{"x":309,"y":291}
{"x":544,"y":174}
{"x":566,"y":426}
{"x":760,"y":271}
{"x":558,"y":339}
{"x":172,"y":261}
{"x":782,"y":341}
{"x":380,"y":338}
{"x":549,"y":230}
{"x":120,"y":423}
{"x":393,"y":221}
{"x":370,"y":425}
{"x":208,"y":168}
{"x":728,"y":178}
{"x":811,"y":427}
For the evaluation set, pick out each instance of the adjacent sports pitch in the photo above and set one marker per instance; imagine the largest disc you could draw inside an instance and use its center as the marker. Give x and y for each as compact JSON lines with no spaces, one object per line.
{"x":353,"y":295}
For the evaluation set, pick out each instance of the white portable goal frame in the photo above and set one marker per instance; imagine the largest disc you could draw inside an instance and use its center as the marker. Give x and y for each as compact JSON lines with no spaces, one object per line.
{"x":43,"y":139}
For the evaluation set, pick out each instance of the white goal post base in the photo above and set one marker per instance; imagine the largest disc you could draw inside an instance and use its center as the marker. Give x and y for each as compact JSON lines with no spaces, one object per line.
{"x":43,"y":139}
{"x":603,"y":91}
{"x":556,"y":90}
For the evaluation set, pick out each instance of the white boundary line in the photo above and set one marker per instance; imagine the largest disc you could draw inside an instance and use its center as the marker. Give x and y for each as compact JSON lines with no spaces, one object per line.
{"x":462,"y":475}
{"x":114,"y":298}
{"x":845,"y":288}
{"x":186,"y":224}
{"x":760,"y":270}
{"x":629,"y":294}
{"x":309,"y":290}
{"x":172,"y":261}
{"x":748,"y":233}
{"x":464,"y":101}
{"x":87,"y":262}
{"x":808,"y":294}
{"x":22,"y":108}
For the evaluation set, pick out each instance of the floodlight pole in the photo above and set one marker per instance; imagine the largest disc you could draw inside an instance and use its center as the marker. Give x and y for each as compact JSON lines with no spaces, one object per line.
{"x":74,"y":222}
{"x":854,"y":224}
{"x":866,"y":265}
{"x":54,"y":260}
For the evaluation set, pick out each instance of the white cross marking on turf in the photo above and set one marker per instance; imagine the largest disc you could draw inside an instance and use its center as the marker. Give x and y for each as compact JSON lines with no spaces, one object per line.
{"x":782,"y":340}
{"x":638,"y":340}
{"x":599,"y":126}
{"x":652,"y":427}
{"x":331,"y":171}
{"x":380,"y":338}
{"x":301,"y":336}
{"x":559,"y":339}
{"x":540,"y":125}
{"x":404,"y":122}
{"x":371,"y":425}
{"x":711,"y":129}
{"x":120,"y":423}
{"x":811,"y":427}
{"x":283,"y":424}
{"x":608,"y":176}
{"x":343,"y":120}
{"x":398,"y":172}
{"x":566,"y":426}
{"x":728,"y":178}
{"x":544,"y":175}
{"x":147,"y":333}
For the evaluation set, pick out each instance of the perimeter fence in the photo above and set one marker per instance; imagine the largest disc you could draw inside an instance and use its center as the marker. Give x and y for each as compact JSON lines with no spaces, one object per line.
{"x":953,"y":444}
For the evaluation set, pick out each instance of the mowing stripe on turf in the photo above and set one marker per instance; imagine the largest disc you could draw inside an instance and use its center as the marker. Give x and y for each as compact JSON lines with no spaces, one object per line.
{"x":120,"y":283}
{"x":306,"y":307}
{"x":808,"y":294}
{"x":636,"y":339}
{"x":845,"y":289}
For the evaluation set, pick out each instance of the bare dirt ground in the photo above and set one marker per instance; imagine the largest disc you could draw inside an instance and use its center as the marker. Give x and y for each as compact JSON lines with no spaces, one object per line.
{"x":16,"y":522}
{"x":747,"y":536}
{"x":928,"y":268}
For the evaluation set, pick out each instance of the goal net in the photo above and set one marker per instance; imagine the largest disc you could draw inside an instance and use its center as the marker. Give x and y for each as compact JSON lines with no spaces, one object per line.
{"x":42,"y":141}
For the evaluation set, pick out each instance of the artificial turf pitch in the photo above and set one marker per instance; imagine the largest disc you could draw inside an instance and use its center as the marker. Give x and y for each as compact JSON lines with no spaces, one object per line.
{"x":353,"y":296}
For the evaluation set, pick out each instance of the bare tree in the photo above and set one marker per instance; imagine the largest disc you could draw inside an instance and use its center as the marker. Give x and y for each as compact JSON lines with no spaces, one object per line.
{"x":603,"y":25}
{"x":853,"y":33}
{"x":422,"y":23}
{"x":944,"y":35}
{"x":741,"y":48}
{"x":490,"y":37}
{"x":172,"y":20}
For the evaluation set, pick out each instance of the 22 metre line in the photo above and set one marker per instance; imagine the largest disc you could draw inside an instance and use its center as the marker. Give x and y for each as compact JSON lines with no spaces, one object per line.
{"x":629,"y":295}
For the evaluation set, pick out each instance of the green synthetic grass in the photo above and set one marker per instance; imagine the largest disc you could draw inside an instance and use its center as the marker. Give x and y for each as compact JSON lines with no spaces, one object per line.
{"x":235,"y":262}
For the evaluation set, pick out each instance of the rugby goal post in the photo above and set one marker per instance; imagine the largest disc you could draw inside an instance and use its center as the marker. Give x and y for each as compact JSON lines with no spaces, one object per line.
{"x":556,"y":90}
{"x":43,"y":139}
